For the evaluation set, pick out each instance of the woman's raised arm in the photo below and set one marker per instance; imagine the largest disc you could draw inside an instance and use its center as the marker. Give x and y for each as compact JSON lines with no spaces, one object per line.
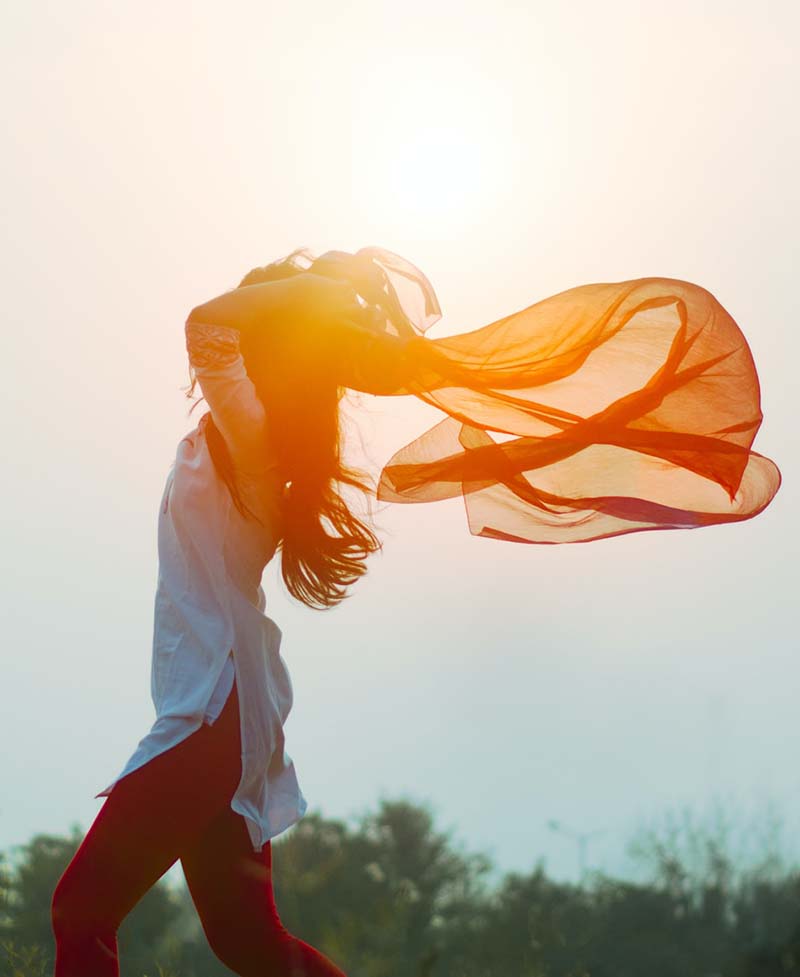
{"x":238,"y":413}
{"x":248,"y":307}
{"x":304,"y":300}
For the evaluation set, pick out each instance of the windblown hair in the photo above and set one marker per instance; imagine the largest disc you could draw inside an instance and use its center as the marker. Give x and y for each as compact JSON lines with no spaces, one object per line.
{"x":324,"y":545}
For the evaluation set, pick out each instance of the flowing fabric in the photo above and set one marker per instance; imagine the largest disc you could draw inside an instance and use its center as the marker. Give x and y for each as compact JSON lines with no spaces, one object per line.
{"x":605,"y":409}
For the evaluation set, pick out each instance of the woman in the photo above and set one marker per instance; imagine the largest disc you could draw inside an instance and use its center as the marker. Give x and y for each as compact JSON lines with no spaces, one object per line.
{"x":625,"y":407}
{"x":211,"y":783}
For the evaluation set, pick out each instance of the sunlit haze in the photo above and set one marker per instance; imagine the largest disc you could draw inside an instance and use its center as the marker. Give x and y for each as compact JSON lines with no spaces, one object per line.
{"x":154,"y":153}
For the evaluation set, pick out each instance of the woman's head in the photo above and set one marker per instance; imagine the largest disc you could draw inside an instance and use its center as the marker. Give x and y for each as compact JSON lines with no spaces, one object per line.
{"x":324,"y":545}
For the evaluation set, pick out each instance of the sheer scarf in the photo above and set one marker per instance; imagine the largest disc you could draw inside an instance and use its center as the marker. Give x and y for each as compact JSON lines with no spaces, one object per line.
{"x":605,"y":409}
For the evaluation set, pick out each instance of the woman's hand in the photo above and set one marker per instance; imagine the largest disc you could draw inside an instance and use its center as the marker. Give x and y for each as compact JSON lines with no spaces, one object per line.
{"x":316,"y":300}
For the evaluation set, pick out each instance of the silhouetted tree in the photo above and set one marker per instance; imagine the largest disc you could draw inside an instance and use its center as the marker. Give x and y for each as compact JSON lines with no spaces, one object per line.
{"x":391,"y":896}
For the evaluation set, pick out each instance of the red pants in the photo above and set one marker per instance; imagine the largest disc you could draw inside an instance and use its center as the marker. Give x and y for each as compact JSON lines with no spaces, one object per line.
{"x":178,"y":806}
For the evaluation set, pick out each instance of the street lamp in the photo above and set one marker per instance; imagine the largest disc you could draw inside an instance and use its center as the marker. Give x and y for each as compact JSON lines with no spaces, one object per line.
{"x":582,"y":839}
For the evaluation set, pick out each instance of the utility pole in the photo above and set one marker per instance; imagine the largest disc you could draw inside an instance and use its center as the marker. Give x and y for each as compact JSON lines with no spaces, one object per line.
{"x":581,"y":838}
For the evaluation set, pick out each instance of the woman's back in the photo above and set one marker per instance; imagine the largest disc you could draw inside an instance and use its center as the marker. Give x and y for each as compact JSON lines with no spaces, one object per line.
{"x":209,"y":623}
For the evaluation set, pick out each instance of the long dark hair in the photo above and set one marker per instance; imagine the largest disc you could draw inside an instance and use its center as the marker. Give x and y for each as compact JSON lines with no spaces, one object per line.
{"x":324,"y":545}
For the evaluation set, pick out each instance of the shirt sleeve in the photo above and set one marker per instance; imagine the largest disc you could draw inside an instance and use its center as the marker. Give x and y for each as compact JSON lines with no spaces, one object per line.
{"x":237,"y":411}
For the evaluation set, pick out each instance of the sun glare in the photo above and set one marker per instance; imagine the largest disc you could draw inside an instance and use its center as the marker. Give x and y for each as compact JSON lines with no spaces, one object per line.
{"x":430,"y":142}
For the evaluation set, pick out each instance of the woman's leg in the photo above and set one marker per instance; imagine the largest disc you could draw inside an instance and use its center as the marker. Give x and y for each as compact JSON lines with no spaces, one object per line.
{"x":231,"y":886}
{"x":149,"y":818}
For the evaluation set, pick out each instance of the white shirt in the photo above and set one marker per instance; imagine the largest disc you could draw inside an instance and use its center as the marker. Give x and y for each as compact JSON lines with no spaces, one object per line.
{"x":209,"y":623}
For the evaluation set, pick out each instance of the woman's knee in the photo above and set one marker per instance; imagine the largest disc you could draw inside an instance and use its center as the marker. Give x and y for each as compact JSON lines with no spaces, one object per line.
{"x":75,"y":912}
{"x":268,"y":947}
{"x":62,"y":907}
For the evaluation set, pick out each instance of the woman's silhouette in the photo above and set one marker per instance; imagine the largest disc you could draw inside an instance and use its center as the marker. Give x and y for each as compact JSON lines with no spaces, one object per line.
{"x":627,"y":407}
{"x":212,"y":783}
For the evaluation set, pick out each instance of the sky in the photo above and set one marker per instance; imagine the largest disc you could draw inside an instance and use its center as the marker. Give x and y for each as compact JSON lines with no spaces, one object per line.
{"x":154,"y":153}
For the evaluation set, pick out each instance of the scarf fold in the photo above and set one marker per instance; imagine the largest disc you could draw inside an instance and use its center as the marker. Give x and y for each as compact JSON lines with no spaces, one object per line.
{"x":605,"y":409}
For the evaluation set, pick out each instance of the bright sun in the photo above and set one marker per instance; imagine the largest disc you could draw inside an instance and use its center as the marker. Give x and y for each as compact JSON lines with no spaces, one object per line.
{"x":431,"y":142}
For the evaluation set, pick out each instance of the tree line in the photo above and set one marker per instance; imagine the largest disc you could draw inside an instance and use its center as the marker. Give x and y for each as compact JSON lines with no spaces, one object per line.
{"x":392,"y":896}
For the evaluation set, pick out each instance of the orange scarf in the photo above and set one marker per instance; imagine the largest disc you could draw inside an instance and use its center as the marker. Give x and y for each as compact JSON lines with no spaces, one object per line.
{"x":602,"y":410}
